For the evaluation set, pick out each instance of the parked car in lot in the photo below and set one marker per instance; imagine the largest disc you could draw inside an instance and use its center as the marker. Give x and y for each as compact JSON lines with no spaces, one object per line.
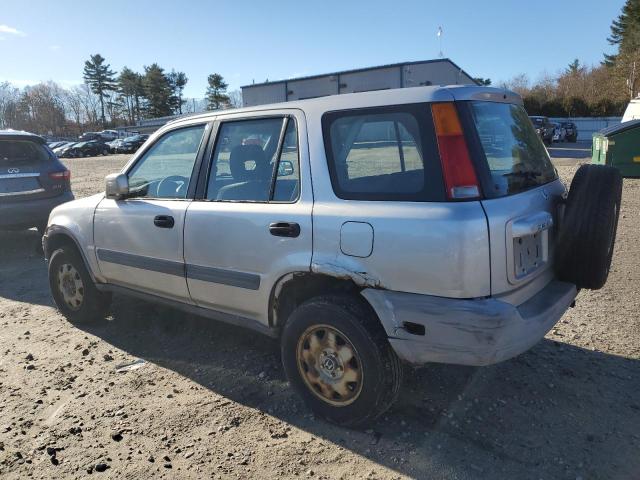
{"x":544,"y":128}
{"x":59,"y":150}
{"x":84,"y":149}
{"x":113,"y":145}
{"x":32,"y":181}
{"x":559,"y":133}
{"x":477,"y":254}
{"x":571,"y":131}
{"x":131,"y":144}
{"x":108,"y":135}
{"x":54,"y":145}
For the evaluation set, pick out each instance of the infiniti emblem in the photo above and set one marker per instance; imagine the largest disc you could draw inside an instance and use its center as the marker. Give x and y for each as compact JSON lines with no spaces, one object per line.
{"x":13,"y":170}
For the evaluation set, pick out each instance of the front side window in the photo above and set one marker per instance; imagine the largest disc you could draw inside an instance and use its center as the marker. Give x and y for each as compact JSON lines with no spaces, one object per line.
{"x":255,"y":161}
{"x":165,"y":169}
{"x":515,"y":155}
{"x":381,"y":154}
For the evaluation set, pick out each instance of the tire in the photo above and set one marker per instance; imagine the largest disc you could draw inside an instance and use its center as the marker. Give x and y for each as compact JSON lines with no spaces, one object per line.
{"x":105,"y":152}
{"x":80,"y":302}
{"x":587,"y":235}
{"x":368,"y":372}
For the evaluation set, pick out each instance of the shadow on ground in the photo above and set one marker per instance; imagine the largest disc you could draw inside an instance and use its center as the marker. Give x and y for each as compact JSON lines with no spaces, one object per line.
{"x":558,"y":411}
{"x":24,"y":272}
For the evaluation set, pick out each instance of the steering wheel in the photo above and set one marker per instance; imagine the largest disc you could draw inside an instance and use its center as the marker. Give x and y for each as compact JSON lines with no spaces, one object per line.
{"x":172,"y":186}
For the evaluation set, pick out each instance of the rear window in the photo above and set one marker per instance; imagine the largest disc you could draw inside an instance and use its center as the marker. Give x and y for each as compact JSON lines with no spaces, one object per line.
{"x":21,"y":152}
{"x":382,"y":154}
{"x":515,"y":155}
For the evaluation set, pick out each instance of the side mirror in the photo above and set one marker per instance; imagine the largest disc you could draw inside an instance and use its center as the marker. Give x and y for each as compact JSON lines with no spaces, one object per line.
{"x":285,"y":168}
{"x":117,"y":186}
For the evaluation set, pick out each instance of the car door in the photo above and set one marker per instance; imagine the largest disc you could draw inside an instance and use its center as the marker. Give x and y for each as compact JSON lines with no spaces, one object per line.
{"x":251,"y":221}
{"x":139,"y":238}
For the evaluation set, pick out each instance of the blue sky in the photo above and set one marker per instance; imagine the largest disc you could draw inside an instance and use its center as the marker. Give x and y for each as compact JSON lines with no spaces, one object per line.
{"x":255,"y":40}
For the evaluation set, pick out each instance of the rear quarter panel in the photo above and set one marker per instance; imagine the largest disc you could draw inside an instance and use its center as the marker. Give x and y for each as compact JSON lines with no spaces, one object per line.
{"x":433,"y":248}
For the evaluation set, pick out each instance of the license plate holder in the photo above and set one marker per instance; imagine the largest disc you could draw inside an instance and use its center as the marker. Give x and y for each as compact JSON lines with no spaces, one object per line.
{"x":528,"y":254}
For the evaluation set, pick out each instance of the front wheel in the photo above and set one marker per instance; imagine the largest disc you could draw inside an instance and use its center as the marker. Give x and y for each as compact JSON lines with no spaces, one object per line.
{"x":337,"y":356}
{"x":73,"y":290}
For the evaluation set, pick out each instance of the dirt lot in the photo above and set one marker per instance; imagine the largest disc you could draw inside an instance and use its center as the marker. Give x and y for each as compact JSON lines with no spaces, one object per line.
{"x":211,"y":400}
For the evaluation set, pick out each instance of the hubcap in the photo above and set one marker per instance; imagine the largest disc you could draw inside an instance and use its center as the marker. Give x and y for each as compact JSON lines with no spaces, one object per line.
{"x":70,"y":286}
{"x":329,"y":365}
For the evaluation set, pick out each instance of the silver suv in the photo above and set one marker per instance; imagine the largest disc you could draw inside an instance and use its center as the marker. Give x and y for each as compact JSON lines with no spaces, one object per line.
{"x":362,"y":230}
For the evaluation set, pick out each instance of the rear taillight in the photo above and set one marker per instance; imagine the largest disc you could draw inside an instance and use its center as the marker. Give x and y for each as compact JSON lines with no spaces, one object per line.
{"x":459,"y":175}
{"x":63,"y":175}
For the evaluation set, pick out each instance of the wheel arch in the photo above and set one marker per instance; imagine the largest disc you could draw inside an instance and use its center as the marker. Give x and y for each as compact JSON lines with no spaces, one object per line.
{"x":57,"y":237}
{"x":294,"y":288}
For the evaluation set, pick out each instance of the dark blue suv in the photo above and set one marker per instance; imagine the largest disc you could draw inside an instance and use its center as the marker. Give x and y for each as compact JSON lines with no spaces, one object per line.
{"x":32,"y":181}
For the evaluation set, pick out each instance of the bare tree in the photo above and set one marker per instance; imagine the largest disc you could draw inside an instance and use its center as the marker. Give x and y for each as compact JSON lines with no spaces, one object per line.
{"x":9,"y":96}
{"x":235,"y":99}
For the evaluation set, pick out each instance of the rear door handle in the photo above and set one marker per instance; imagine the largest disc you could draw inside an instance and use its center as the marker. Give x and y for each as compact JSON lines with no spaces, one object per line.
{"x":284,"y":229}
{"x":164,"y":221}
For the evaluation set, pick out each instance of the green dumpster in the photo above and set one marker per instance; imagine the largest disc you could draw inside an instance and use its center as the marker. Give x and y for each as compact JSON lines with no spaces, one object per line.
{"x":619,"y":146}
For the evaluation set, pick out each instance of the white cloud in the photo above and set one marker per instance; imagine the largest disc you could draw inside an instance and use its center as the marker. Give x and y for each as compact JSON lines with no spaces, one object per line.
{"x":12,"y":31}
{"x":54,"y":48}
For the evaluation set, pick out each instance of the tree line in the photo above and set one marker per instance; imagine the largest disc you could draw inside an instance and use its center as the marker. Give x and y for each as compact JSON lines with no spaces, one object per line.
{"x":107,"y":99}
{"x":585,"y":91}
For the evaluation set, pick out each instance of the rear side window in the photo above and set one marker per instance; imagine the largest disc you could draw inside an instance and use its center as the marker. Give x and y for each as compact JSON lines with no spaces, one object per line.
{"x":515,"y":155}
{"x":382,"y":154}
{"x":15,"y":153}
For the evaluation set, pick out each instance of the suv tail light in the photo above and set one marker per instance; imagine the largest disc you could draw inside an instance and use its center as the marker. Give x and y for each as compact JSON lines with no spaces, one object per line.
{"x":63,"y":175}
{"x":459,"y":175}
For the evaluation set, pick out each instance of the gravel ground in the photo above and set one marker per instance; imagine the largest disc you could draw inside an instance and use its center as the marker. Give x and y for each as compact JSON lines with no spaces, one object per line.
{"x":211,"y":401}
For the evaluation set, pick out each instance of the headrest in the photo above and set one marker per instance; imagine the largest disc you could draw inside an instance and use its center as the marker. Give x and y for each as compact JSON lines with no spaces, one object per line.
{"x":249,"y":162}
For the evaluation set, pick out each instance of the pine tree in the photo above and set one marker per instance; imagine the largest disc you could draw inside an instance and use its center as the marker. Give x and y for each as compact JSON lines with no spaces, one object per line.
{"x":625,"y":32}
{"x":100,"y":79}
{"x":157,"y":91}
{"x":177,"y":82}
{"x":217,"y":96}
{"x":129,"y":88}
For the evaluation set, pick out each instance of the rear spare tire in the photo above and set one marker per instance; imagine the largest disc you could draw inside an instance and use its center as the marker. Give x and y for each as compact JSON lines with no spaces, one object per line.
{"x":588,"y":230}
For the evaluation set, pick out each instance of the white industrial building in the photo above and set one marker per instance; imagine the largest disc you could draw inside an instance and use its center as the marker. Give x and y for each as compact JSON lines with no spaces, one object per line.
{"x":400,"y":75}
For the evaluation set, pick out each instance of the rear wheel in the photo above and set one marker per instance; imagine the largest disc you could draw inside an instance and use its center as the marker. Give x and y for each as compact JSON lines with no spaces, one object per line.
{"x":73,"y":290}
{"x":588,"y":231}
{"x":336,"y":355}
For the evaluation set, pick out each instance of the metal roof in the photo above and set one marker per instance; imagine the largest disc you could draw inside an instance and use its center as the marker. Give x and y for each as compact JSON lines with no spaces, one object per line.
{"x":357,"y":70}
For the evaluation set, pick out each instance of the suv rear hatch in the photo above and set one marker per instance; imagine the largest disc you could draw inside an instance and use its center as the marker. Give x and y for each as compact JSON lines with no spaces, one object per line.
{"x":521,"y":194}
{"x":28,"y":170}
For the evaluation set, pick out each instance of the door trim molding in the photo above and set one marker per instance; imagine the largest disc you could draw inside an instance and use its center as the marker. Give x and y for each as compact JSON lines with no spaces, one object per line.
{"x":234,"y":278}
{"x":138,"y":261}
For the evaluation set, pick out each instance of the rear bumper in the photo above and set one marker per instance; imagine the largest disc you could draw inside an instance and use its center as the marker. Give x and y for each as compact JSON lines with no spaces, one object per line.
{"x":29,"y":213}
{"x":468,"y":332}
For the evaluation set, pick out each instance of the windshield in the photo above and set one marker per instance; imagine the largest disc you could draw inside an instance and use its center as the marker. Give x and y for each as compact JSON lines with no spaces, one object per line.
{"x":516,"y":157}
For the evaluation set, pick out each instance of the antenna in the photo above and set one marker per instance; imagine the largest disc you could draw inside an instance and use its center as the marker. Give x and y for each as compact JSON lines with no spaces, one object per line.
{"x":439,"y":34}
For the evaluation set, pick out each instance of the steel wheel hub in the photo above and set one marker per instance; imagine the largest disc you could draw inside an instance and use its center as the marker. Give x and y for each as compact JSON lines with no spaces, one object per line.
{"x":70,"y":286}
{"x":329,"y":365}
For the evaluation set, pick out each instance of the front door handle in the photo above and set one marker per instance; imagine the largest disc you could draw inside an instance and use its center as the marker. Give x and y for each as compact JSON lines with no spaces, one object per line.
{"x":164,"y":221}
{"x":284,"y":229}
